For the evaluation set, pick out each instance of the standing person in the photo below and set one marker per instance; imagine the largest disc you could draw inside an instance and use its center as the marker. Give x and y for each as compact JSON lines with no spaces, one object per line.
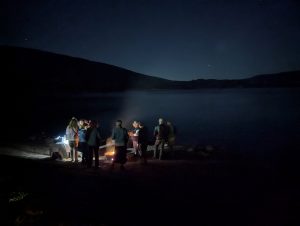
{"x":93,"y":140}
{"x":120,"y":139}
{"x":134,"y":137}
{"x":143,"y":142}
{"x":82,"y":144}
{"x":171,"y":136}
{"x":161,"y":133}
{"x":72,"y":137}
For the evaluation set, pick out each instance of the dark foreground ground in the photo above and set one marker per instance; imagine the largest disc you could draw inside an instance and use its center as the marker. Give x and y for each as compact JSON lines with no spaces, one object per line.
{"x":169,"y":192}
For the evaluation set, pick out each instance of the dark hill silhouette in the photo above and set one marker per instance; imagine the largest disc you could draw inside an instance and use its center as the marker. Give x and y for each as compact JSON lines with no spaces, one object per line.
{"x":33,"y":81}
{"x":48,"y":71}
{"x":43,"y":72}
{"x":283,"y":79}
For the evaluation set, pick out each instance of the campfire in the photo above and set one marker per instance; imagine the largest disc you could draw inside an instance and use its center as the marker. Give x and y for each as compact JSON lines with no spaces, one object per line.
{"x":110,"y":149}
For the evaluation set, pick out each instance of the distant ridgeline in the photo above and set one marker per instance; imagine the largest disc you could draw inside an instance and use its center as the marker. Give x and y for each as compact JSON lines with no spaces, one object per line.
{"x":34,"y":71}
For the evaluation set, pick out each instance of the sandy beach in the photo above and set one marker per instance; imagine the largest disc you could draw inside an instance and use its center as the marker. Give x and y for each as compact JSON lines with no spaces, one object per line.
{"x":206,"y":191}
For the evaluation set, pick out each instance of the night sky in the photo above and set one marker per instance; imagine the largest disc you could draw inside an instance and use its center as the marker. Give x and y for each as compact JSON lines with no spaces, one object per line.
{"x":174,"y":39}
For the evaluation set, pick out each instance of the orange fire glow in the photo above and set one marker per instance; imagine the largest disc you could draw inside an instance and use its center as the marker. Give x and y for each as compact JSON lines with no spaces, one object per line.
{"x":110,"y":150}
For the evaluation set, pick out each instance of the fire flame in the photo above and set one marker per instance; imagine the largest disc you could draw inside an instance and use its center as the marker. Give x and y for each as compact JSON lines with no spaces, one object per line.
{"x":110,"y":149}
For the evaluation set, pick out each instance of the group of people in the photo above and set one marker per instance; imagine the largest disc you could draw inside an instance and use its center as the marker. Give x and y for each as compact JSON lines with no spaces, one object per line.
{"x":164,"y":133}
{"x":84,"y":136}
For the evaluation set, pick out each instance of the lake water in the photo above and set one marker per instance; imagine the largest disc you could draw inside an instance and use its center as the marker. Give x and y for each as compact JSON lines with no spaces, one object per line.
{"x":259,"y":121}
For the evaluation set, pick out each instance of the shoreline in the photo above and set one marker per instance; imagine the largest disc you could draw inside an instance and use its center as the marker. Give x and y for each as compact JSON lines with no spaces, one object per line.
{"x":206,"y":187}
{"x":196,"y":192}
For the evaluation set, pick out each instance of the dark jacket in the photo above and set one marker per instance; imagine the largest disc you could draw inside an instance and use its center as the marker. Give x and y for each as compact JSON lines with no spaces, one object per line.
{"x":120,"y":136}
{"x":143,"y":136}
{"x":93,"y":137}
{"x":161,"y":132}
